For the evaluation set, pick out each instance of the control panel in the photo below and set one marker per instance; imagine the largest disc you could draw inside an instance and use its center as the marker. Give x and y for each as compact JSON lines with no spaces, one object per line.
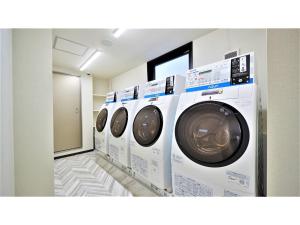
{"x":229,"y":72}
{"x":160,"y":87}
{"x":129,"y":93}
{"x":111,"y":97}
{"x":169,"y":85}
{"x":240,"y":70}
{"x":208,"y":75}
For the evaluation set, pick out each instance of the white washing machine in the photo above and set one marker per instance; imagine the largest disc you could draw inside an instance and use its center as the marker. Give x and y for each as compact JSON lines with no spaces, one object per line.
{"x":214,"y":147}
{"x":150,"y":141}
{"x":103,"y":121}
{"x":121,"y":126}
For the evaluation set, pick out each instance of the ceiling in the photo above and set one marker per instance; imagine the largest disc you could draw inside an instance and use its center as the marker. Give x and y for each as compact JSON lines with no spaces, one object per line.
{"x":134,"y":47}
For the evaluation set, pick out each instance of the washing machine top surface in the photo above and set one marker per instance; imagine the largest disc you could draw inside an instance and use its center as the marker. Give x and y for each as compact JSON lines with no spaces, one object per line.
{"x":169,"y":86}
{"x":235,"y":71}
{"x":111,"y":97}
{"x":131,"y":93}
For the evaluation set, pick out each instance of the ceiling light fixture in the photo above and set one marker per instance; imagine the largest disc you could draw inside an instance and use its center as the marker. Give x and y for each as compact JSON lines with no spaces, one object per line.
{"x":118,"y":32}
{"x":94,"y":56}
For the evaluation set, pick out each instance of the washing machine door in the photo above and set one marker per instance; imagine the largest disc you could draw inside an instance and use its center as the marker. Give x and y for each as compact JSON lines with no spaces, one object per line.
{"x":101,"y":120}
{"x":147,"y":125}
{"x":212,"y":134}
{"x":119,"y":122}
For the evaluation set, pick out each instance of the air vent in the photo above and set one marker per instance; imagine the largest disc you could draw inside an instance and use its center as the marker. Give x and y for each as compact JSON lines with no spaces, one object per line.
{"x":69,"y":46}
{"x":231,"y":54}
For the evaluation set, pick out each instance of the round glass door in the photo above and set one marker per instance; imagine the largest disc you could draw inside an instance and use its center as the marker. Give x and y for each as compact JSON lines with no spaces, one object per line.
{"x":101,"y":120}
{"x":119,"y":122}
{"x":212,"y":134}
{"x":147,"y":125}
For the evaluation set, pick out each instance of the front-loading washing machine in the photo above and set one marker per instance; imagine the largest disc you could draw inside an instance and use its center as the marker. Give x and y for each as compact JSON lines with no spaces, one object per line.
{"x":150,"y":141}
{"x":103,"y":121}
{"x":214,"y":147}
{"x":121,"y":126}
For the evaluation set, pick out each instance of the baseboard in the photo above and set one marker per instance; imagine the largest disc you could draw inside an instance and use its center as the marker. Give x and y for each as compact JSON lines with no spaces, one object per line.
{"x":71,"y":154}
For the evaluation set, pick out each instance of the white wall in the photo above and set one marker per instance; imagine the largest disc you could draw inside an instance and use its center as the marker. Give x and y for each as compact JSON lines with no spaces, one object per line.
{"x":137,"y":75}
{"x":283,"y":113}
{"x":299,"y":105}
{"x":86,"y":110}
{"x":33,"y":112}
{"x":100,"y":86}
{"x":6,"y":116}
{"x":68,"y":71}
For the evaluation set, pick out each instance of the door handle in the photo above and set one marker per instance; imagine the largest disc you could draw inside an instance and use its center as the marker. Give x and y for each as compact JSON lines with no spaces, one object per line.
{"x":76,"y":110}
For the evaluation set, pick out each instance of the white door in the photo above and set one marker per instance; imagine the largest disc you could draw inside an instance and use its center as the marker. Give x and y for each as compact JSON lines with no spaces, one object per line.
{"x":67,"y":112}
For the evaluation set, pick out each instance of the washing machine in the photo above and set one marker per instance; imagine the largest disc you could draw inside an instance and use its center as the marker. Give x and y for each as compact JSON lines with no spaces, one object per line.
{"x":150,"y":141}
{"x":103,"y":122}
{"x":214,"y":147}
{"x":121,"y":126}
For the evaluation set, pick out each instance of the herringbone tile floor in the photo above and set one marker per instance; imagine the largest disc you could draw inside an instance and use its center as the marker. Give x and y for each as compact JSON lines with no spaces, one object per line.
{"x":134,"y":186}
{"x":80,"y":175}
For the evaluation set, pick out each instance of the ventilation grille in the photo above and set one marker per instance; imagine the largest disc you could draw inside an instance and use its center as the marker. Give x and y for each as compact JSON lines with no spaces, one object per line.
{"x":231,"y":54}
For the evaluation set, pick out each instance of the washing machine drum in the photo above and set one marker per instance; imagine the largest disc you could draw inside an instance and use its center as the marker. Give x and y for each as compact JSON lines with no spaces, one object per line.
{"x":101,"y":120}
{"x":212,"y":134}
{"x":147,"y":125}
{"x":119,"y":122}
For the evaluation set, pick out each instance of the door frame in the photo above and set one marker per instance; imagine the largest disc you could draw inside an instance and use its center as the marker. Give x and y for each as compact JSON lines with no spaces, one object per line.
{"x":7,"y":176}
{"x":86,"y":112}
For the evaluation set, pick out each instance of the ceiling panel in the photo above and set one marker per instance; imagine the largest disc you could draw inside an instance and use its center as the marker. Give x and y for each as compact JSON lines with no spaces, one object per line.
{"x":134,"y":47}
{"x":70,"y":47}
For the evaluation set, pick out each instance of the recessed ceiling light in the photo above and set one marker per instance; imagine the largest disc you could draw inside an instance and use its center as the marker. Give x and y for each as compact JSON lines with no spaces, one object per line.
{"x":94,"y":56}
{"x":118,"y":32}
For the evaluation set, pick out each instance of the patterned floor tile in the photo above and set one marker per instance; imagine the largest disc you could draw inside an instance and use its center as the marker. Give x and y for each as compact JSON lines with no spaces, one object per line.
{"x":80,"y":175}
{"x":134,"y":186}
